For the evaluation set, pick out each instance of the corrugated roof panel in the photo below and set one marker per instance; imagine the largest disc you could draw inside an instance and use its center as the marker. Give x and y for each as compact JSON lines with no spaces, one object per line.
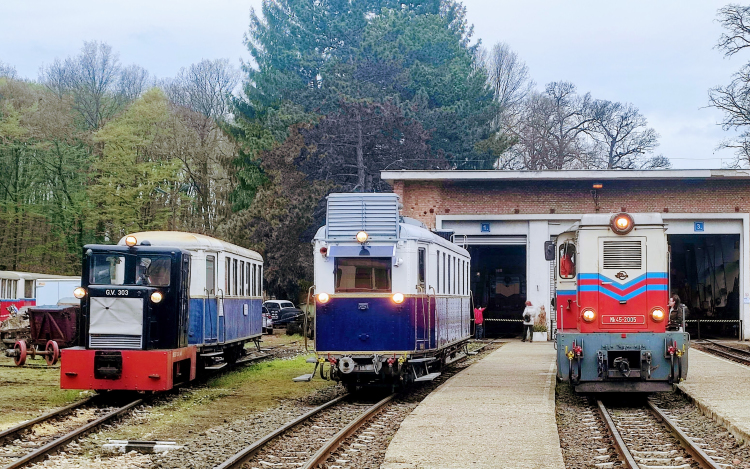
{"x":348,"y":214}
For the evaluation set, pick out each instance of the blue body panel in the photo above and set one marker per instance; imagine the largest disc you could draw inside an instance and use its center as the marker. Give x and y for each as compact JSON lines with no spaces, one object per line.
{"x":614,"y":343}
{"x":341,"y":325}
{"x":377,"y":324}
{"x":208,"y":328}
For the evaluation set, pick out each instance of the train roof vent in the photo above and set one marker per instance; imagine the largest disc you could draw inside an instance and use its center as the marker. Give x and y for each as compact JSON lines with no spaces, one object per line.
{"x":622,"y":255}
{"x":348,"y":214}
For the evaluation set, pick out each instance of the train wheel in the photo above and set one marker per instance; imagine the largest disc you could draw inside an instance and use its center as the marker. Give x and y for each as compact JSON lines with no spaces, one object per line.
{"x":53,"y":352}
{"x":20,"y":357}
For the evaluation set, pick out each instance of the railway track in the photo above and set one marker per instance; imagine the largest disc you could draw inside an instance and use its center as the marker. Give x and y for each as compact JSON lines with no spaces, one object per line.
{"x":323,"y":434}
{"x":310,"y":439}
{"x":732,"y":353}
{"x":33,"y":440}
{"x":646,"y":437}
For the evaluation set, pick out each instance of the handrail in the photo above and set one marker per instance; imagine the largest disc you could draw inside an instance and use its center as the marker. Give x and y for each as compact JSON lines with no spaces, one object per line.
{"x":304,"y":321}
{"x":220,"y":315}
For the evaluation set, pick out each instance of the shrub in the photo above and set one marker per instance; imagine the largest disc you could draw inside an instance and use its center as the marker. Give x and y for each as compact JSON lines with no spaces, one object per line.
{"x":540,"y":324}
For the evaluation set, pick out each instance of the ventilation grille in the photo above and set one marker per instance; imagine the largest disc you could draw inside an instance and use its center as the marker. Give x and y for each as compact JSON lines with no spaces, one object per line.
{"x":348,"y":214}
{"x":115,"y":341}
{"x":622,"y":255}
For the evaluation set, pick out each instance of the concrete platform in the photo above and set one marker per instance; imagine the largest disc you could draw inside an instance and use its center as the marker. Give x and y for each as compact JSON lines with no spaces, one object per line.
{"x":498,"y":413}
{"x":721,"y":388}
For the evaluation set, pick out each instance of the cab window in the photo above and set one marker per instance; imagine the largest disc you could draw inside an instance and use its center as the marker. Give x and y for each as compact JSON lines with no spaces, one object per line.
{"x":107,"y":269}
{"x":567,"y":258}
{"x":354,"y":274}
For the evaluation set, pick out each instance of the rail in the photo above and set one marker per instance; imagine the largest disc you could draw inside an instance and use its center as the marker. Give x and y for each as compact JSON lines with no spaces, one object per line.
{"x":695,"y":451}
{"x":620,"y":446}
{"x":42,"y":452}
{"x":42,"y":418}
{"x":246,"y":453}
{"x":330,"y":446}
{"x":700,"y":456}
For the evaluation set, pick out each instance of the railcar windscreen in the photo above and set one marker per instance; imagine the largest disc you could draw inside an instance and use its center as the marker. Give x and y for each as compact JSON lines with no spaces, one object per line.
{"x":154,"y":271}
{"x":355,"y":274}
{"x":119,"y":269}
{"x":107,"y":269}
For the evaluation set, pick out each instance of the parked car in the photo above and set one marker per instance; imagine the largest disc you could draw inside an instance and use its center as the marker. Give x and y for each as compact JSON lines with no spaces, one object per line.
{"x":274,"y":306}
{"x":267,"y":321}
{"x":288,"y":315}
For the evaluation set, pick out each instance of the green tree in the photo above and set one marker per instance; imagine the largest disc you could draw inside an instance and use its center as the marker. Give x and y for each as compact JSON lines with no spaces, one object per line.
{"x":137,"y":181}
{"x":417,"y":55}
{"x":42,"y":180}
{"x":281,"y":215}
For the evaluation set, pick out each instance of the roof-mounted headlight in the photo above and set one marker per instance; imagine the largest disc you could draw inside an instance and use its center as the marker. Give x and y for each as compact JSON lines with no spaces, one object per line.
{"x":362,"y":237}
{"x":130,"y":241}
{"x":622,"y":223}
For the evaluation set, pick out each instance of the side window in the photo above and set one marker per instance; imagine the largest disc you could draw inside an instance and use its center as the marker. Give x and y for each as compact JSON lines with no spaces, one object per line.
{"x":249,"y":281}
{"x":234,"y":278}
{"x":437,"y":272}
{"x":242,"y":278}
{"x":421,"y":267}
{"x":449,"y":291}
{"x":443,"y":278}
{"x":228,"y":277}
{"x":211,"y":274}
{"x":567,"y":260}
{"x":461,"y":271}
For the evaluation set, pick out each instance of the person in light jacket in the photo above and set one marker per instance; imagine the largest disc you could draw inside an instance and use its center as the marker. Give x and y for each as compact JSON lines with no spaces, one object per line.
{"x":529,"y":315}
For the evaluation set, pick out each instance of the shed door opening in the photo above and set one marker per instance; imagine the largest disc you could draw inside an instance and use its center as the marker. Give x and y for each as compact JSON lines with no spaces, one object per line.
{"x":498,"y":282}
{"x":705,"y":273}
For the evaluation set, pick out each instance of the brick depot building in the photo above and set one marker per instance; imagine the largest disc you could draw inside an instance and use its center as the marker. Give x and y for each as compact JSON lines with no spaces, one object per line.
{"x":504,"y":218}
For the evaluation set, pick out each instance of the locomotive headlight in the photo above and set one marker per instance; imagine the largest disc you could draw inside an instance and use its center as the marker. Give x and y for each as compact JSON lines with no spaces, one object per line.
{"x":157,"y":296}
{"x":398,"y":298}
{"x":362,"y":237}
{"x":588,"y":315}
{"x":131,"y":241}
{"x":79,"y":292}
{"x":621,"y":223}
{"x":658,"y":314}
{"x":323,"y":298}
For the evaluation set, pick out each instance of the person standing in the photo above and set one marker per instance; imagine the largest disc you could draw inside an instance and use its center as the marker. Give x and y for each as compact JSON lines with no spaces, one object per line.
{"x":479,"y":322}
{"x":677,"y":314}
{"x":529,"y":315}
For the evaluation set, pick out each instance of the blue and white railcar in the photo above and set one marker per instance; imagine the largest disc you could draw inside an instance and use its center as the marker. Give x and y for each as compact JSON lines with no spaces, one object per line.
{"x":160,"y":306}
{"x":392,"y":297}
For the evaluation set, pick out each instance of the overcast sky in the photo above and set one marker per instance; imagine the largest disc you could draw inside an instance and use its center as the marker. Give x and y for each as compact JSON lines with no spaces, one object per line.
{"x":657,"y":55}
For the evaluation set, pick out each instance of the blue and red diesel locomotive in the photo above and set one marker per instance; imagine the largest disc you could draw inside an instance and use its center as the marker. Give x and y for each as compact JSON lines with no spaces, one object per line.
{"x":612,"y":291}
{"x":160,"y":306}
{"x":393,"y":300}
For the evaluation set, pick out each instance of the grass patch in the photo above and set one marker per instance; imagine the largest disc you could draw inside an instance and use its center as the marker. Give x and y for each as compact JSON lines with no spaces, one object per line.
{"x":30,"y":392}
{"x":222,"y":399}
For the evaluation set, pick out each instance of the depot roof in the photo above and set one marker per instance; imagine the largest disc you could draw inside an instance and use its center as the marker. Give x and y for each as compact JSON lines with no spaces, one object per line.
{"x":569,"y":175}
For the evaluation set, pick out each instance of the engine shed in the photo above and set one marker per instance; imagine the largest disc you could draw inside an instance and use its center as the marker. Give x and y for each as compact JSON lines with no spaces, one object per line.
{"x":503,"y":218}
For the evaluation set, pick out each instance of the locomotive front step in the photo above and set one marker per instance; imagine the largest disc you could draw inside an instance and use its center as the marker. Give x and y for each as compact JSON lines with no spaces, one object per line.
{"x":428,"y":377}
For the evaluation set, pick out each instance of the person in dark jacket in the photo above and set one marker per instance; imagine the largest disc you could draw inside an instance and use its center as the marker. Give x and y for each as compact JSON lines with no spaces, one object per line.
{"x":677,"y":314}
